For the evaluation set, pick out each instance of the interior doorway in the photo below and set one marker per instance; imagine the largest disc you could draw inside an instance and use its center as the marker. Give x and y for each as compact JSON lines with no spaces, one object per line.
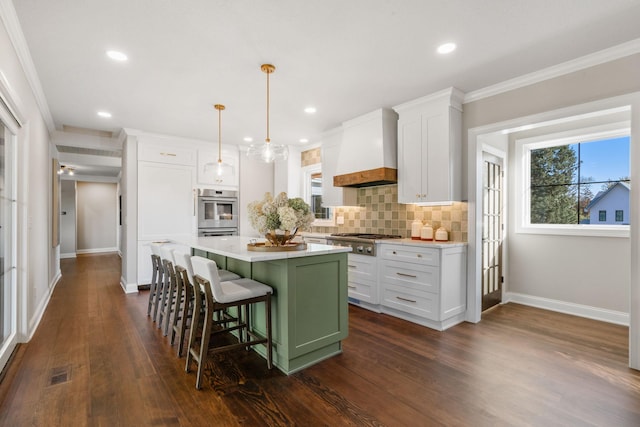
{"x":492,"y":229}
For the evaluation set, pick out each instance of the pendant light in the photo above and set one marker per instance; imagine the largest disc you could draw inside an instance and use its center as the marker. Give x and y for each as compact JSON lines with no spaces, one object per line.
{"x":268,"y":151}
{"x":219,"y":107}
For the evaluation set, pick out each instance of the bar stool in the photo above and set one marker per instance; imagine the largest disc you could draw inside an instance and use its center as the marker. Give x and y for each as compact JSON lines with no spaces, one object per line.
{"x":169,"y":300}
{"x":157,"y":281}
{"x":239,"y":293}
{"x":185,"y":296}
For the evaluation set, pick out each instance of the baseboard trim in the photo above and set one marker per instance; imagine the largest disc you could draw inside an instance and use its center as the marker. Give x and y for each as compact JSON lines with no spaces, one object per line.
{"x":37,"y":317}
{"x":68,"y":255}
{"x":128,"y":288}
{"x":96,"y":250}
{"x":595,"y":313}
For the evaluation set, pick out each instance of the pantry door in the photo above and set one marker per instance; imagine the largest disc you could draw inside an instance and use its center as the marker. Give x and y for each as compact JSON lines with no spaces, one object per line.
{"x":492,"y":231}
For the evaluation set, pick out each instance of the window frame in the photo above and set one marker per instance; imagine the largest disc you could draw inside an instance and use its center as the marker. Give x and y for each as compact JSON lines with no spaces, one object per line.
{"x":307,"y":173}
{"x":523,"y":147}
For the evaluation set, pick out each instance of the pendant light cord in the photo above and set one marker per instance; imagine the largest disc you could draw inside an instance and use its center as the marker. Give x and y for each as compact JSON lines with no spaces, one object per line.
{"x":268,"y":140}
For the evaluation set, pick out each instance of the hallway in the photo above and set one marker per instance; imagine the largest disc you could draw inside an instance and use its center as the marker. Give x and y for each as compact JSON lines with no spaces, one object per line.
{"x":98,"y":360}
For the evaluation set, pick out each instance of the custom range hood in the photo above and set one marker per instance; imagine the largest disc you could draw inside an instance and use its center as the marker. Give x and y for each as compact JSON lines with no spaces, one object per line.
{"x":368,"y":152}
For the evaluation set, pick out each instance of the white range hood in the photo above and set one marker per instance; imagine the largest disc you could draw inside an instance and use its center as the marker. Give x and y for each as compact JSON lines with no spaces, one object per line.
{"x":368,"y":153}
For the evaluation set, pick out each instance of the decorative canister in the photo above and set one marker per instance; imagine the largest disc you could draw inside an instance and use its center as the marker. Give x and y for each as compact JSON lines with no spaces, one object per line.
{"x":426,"y":232}
{"x":416,"y":225}
{"x":442,"y":235}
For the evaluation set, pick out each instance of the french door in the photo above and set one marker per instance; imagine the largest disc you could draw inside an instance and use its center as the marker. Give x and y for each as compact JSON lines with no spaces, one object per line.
{"x":8,"y":287}
{"x":492,"y":232}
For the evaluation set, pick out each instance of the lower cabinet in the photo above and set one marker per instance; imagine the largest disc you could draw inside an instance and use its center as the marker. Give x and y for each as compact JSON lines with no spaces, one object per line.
{"x":425,"y":285}
{"x":363,"y":281}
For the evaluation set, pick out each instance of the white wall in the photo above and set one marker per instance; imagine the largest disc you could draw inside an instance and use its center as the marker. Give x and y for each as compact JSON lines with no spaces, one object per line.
{"x":256,"y":178}
{"x":68,"y":219}
{"x":37,"y":263}
{"x":97,"y":217}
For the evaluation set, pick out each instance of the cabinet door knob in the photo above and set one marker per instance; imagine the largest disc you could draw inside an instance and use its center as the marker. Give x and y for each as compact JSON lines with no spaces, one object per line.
{"x":394,"y":252}
{"x":417,"y":196}
{"x":419,"y":255}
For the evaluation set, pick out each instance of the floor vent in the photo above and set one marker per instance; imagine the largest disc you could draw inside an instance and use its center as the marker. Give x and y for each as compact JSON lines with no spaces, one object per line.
{"x":60,"y":375}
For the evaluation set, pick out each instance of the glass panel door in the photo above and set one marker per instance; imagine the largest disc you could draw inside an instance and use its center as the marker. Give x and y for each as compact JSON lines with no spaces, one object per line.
{"x":8,"y":297}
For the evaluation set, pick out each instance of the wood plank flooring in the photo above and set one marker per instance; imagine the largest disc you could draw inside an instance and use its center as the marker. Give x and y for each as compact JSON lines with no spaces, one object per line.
{"x":98,"y":360}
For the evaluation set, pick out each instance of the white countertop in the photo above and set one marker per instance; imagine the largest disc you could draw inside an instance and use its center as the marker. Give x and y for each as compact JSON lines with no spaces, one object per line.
{"x":236,"y":247}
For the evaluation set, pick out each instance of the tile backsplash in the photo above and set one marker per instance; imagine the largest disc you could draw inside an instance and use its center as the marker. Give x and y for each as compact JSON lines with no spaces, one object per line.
{"x":378,"y":211}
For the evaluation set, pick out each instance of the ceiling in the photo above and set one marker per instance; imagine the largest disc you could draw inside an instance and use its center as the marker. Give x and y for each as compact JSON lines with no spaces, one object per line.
{"x":346,"y":58}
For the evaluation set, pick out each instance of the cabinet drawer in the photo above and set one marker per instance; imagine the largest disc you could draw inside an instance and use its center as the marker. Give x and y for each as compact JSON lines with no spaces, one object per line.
{"x":428,"y":256}
{"x":363,"y":290}
{"x":361,"y":267}
{"x":414,"y":276}
{"x":167,"y":154}
{"x":424,"y":304}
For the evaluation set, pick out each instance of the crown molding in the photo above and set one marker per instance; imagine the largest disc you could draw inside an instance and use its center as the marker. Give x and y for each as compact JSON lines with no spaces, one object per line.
{"x":10,"y":20}
{"x":616,"y":52}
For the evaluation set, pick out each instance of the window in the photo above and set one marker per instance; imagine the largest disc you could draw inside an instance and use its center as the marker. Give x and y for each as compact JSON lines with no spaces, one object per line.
{"x":313,"y":195}
{"x":619,"y":216}
{"x":572,"y":179}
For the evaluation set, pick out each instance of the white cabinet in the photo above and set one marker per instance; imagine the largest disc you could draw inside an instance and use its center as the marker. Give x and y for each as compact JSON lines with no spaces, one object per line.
{"x":430,"y":148}
{"x":208,"y":173}
{"x":166,"y":207}
{"x":363,"y":280}
{"x":166,"y":153}
{"x":330,"y":153}
{"x":425,"y":285}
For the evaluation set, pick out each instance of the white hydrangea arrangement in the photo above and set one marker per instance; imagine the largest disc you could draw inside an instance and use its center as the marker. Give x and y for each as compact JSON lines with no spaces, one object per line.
{"x":280,"y":213}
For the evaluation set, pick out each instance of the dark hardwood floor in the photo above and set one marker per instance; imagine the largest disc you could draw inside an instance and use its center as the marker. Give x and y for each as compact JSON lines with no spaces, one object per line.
{"x":98,"y":360}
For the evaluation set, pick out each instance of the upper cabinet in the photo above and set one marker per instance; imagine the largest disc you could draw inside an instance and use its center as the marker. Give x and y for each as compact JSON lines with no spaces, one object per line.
{"x":210,"y":175}
{"x":151,"y":150}
{"x":430,"y":148}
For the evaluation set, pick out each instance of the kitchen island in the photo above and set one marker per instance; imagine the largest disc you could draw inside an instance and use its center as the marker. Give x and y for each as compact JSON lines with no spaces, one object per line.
{"x":309,"y":304}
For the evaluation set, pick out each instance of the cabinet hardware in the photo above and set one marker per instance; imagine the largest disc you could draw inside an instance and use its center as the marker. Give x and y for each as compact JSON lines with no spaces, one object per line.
{"x":351,"y":266}
{"x":351,"y":287}
{"x":419,"y":255}
{"x":406,"y":275}
{"x":168,"y":154}
{"x":394,"y":252}
{"x":406,"y":299}
{"x":195,"y":198}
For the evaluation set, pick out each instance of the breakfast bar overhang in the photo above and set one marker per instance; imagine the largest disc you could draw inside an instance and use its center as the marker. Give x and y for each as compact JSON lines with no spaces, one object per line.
{"x":309,"y":304}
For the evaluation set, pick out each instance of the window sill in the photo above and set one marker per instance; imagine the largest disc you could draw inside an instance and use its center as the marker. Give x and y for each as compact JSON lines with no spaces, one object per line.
{"x":576,"y":230}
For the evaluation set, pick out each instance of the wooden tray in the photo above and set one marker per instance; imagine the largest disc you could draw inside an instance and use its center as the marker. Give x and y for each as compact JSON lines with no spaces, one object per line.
{"x":261,"y":247}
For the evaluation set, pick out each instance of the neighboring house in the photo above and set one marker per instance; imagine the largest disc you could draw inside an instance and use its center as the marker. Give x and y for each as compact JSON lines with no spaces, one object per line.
{"x":611,"y":206}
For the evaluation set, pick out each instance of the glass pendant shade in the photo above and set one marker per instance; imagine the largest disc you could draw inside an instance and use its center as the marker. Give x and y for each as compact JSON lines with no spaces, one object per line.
{"x":268,"y":152}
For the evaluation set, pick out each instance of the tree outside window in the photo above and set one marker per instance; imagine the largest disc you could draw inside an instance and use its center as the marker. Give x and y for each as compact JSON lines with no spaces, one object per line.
{"x":564,"y":179}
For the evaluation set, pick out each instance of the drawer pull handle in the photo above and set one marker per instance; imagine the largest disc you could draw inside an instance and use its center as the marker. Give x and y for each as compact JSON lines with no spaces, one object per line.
{"x":168,"y":154}
{"x":351,"y":266}
{"x":405,"y":299}
{"x":419,"y":255}
{"x":351,"y":287}
{"x":407,"y":275}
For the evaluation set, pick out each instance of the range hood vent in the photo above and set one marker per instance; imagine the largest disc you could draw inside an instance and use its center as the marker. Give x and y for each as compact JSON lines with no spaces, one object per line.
{"x":368,"y":152}
{"x":368,"y":178}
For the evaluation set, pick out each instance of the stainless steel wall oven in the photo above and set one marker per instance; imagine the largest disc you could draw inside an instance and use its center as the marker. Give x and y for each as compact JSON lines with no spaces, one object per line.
{"x":217,"y":212}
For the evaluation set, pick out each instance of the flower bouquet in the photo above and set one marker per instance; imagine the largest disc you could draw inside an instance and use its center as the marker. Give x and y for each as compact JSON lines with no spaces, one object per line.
{"x":280,"y":218}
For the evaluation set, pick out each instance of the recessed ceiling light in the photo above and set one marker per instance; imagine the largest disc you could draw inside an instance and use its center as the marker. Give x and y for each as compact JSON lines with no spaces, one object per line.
{"x":304,"y":140}
{"x":116,"y":55}
{"x":104,"y":114}
{"x":248,"y":139}
{"x":446,"y":48}
{"x":310,"y":110}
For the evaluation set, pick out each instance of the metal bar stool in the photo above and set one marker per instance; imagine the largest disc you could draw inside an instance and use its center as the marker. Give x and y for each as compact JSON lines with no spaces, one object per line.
{"x":239,"y":293}
{"x":157,"y":281}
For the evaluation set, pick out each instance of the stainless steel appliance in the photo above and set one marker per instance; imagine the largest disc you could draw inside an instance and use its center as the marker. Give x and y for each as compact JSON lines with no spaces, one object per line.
{"x":362,"y":266}
{"x":360,"y":243}
{"x":217,"y":212}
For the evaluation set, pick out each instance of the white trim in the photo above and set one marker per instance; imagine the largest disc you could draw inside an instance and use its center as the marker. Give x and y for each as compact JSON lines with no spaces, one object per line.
{"x":616,"y":52}
{"x":595,"y":313}
{"x":12,"y":24}
{"x":96,"y":250}
{"x":307,"y":171}
{"x":44,"y":303}
{"x":128,"y":288}
{"x":68,"y":255}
